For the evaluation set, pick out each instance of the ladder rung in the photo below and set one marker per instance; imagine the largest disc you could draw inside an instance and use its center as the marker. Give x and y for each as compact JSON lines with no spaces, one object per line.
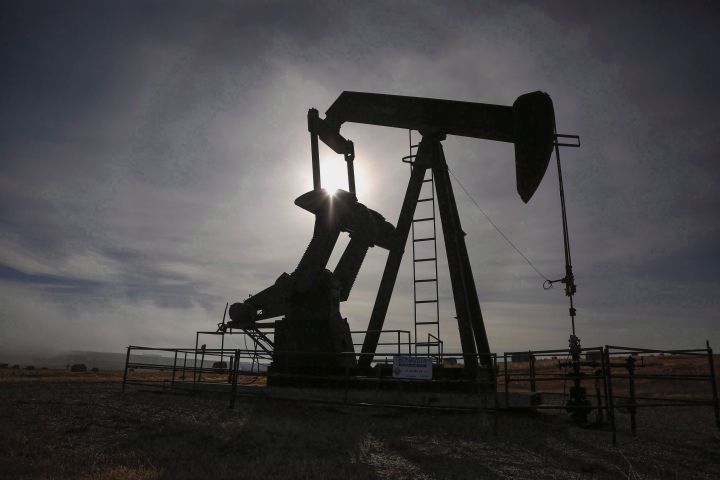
{"x":425,"y":259}
{"x":426,"y":239}
{"x":426,"y":323}
{"x":427,"y":344}
{"x":425,"y":301}
{"x":428,"y":180}
{"x":426,"y":199}
{"x":426,"y":280}
{"x":426,"y":219}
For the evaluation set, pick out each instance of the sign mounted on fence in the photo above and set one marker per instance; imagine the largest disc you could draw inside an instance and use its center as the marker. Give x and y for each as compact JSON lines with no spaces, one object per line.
{"x":419,"y":368}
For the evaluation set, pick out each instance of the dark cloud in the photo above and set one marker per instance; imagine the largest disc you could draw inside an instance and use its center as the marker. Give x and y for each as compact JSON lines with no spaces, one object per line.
{"x":150,"y":153}
{"x":61,"y":284}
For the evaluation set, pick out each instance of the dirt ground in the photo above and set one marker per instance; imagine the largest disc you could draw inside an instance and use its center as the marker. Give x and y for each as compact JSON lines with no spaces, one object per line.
{"x":56,"y":425}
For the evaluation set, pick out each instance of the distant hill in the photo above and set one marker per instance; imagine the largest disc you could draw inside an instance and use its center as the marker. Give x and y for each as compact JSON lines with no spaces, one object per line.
{"x":106,"y":361}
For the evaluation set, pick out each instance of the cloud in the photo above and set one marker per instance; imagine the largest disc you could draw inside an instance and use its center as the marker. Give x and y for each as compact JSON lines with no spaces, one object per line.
{"x":150,"y":158}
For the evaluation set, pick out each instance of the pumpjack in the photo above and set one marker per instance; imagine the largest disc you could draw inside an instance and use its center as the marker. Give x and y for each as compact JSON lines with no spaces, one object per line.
{"x":310,"y":334}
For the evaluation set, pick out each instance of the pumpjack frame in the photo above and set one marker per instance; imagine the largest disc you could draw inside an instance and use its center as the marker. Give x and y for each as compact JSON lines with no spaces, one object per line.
{"x":529,"y":124}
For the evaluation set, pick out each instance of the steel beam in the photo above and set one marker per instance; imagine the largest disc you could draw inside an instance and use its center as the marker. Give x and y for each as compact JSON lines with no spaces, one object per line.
{"x":467,"y":306}
{"x":469,"y":119}
{"x":387,"y":283}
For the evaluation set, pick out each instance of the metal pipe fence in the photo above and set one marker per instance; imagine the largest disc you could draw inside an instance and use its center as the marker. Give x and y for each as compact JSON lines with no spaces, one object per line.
{"x":547,"y":372}
{"x":651,"y":390}
{"x":166,"y":372}
{"x":399,"y":342}
{"x":540,"y":377}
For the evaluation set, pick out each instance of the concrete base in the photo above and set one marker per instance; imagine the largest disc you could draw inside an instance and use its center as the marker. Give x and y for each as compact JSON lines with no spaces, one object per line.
{"x":396,"y":393}
{"x":397,"y":396}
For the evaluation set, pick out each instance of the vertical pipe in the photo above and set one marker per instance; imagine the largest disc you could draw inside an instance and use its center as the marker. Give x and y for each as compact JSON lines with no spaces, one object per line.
{"x":127,"y":360}
{"x":711,"y":358}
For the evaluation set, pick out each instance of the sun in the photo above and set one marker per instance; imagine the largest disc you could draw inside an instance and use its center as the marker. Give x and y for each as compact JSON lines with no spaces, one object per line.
{"x":333,"y":173}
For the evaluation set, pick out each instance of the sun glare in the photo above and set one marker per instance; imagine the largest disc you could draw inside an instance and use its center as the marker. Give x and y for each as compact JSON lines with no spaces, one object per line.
{"x":333,"y":173}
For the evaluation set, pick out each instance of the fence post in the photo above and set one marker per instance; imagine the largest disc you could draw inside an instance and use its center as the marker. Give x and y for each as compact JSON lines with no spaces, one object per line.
{"x":630,"y":362}
{"x":711,"y":358}
{"x":222,"y":347}
{"x":172,"y":382}
{"x":611,"y":402}
{"x":197,"y":334}
{"x":496,"y":405}
{"x":507,"y":380}
{"x":127,"y":360}
{"x":184,"y":365}
{"x":346,"y":379}
{"x":202,"y":364}
{"x":231,"y":363}
{"x":600,"y":375}
{"x":233,"y":392}
{"x":531,"y":364}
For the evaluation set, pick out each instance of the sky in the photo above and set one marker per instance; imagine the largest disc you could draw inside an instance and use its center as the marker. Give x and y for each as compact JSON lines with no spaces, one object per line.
{"x":151,"y":151}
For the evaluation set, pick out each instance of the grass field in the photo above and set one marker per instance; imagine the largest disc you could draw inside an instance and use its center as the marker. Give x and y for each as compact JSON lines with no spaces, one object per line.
{"x":55,"y":425}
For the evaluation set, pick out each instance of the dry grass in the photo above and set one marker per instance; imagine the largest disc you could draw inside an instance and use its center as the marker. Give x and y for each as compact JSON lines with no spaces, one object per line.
{"x":11,"y":376}
{"x":57,"y":425}
{"x":56,"y":375}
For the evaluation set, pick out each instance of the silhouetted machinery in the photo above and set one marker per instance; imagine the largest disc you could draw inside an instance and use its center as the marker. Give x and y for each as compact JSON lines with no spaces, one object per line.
{"x":311,"y":335}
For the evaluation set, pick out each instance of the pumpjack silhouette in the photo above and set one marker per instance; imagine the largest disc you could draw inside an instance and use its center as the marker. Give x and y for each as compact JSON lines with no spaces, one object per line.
{"x":303,"y":307}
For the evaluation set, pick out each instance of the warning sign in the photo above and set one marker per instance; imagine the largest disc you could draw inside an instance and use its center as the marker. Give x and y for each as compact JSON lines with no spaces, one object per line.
{"x":419,"y":368}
